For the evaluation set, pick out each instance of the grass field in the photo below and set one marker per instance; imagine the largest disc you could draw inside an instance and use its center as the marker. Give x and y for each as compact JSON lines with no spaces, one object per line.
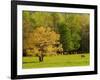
{"x":56,"y":61}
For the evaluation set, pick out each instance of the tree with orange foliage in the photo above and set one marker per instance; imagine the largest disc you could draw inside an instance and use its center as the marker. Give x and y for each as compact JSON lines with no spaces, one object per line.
{"x":43,"y":40}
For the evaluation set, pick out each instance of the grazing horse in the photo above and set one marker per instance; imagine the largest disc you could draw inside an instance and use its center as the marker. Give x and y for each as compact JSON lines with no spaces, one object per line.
{"x":82,"y":56}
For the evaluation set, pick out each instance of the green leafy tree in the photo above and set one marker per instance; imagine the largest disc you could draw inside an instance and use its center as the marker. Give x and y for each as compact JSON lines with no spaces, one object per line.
{"x":65,"y":37}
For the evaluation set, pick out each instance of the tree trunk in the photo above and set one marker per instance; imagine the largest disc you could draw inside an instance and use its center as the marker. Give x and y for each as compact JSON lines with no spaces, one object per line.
{"x":41,"y":58}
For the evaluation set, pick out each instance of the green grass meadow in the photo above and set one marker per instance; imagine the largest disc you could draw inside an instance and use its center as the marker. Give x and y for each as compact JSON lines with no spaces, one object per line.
{"x":56,"y":61}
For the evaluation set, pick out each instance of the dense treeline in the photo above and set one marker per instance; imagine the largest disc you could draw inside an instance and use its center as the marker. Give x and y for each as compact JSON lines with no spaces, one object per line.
{"x":73,"y":29}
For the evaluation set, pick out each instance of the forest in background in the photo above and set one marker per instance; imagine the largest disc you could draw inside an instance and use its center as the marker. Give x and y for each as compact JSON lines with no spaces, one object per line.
{"x":68,"y":32}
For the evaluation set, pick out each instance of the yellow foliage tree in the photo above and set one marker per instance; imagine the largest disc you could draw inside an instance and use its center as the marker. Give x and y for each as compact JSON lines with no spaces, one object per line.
{"x":42,"y":41}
